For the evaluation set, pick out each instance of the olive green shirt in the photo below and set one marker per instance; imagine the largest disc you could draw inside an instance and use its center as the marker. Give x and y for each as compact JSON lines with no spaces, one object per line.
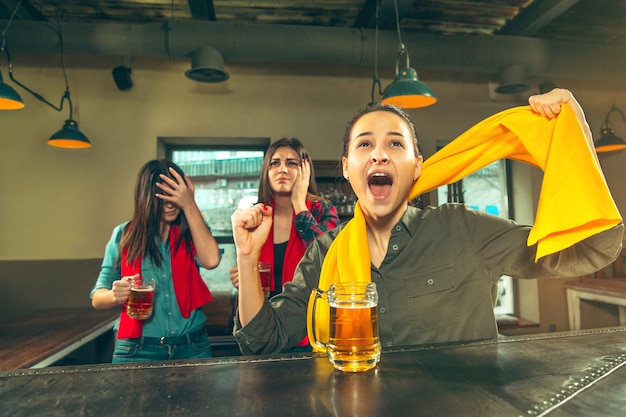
{"x":437,"y":282}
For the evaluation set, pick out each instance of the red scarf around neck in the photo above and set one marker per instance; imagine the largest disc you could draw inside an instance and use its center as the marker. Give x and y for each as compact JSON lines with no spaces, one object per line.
{"x":293,"y":253}
{"x":191,"y":291}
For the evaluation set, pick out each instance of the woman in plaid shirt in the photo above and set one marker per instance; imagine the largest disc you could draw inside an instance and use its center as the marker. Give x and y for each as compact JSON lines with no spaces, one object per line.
{"x":288,"y":185}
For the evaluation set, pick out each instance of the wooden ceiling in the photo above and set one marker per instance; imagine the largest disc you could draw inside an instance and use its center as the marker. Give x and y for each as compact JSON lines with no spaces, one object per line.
{"x":589,"y":21}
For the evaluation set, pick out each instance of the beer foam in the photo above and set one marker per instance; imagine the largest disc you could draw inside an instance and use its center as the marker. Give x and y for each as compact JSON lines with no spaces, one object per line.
{"x":142,"y":289}
{"x":352,"y":304}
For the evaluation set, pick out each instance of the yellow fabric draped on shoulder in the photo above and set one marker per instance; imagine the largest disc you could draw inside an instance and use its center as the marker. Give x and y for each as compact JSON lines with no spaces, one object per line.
{"x":574,"y":203}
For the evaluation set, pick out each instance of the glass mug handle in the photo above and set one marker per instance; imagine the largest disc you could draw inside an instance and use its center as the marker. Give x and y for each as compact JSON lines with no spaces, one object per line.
{"x":316,"y":294}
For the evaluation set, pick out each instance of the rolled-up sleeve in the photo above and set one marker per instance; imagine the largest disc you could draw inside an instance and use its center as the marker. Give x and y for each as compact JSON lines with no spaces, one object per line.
{"x":312,"y":224}
{"x":281,"y":322}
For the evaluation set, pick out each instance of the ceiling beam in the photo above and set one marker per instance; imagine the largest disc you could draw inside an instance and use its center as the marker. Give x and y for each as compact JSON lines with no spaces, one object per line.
{"x":26,"y":11}
{"x":367,"y":15}
{"x":531,"y":19}
{"x":202,"y":9}
{"x":386,"y":14}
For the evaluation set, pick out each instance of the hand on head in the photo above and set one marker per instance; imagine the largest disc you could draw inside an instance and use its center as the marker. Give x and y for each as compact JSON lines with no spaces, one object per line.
{"x":179,"y":192}
{"x":301,"y":185}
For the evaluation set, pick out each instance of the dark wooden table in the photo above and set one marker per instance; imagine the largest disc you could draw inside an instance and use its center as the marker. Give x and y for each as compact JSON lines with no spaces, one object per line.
{"x":43,"y":337}
{"x":558,"y":374}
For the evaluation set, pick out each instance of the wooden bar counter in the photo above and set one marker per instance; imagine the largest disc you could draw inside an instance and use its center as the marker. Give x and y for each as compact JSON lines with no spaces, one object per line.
{"x":43,"y":337}
{"x":579,"y":373}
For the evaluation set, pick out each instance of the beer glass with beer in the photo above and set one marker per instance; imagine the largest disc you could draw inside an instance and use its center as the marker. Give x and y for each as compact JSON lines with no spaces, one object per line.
{"x":265,"y":272}
{"x":353,"y":344}
{"x":139,"y":304}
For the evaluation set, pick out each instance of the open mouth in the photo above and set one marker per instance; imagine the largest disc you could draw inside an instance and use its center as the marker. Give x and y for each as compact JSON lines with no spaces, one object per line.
{"x":379,"y":184}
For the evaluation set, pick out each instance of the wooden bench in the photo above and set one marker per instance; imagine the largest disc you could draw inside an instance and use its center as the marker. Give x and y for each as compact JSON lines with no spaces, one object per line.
{"x":44,"y":337}
{"x":604,"y":290}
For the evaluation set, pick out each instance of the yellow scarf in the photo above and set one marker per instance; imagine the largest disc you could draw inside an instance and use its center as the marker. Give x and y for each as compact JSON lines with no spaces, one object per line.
{"x":575,"y":202}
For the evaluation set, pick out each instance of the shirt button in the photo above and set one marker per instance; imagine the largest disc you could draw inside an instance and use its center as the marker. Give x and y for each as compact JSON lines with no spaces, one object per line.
{"x":382,"y":310}
{"x":398,"y":228}
{"x":431,"y":281}
{"x":389,"y":343}
{"x":394,"y":247}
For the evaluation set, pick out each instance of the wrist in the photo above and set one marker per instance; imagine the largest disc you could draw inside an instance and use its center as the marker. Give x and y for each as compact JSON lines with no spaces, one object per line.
{"x":115,"y":301}
{"x":248,"y":261}
{"x":299,"y":207}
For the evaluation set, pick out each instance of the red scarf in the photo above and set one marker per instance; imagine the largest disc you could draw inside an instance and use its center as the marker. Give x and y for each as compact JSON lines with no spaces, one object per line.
{"x":191,"y":291}
{"x":293,"y":253}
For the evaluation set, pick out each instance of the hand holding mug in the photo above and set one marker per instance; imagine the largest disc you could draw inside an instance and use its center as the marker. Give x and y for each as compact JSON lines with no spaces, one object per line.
{"x":139,"y":304}
{"x":234,"y":276}
{"x":121,"y":289}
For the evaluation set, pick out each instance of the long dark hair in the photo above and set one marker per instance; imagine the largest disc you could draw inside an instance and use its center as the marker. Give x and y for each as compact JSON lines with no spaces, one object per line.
{"x":380,"y":107}
{"x":266,"y":194}
{"x":143,"y":234}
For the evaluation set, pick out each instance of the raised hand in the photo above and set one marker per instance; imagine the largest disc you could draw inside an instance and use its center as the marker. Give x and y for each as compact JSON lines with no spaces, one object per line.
{"x":251,"y":226}
{"x":301,"y":186}
{"x":549,"y":104}
{"x":179,"y":191}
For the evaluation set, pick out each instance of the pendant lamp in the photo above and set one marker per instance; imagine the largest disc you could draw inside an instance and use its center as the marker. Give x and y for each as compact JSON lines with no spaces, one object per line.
{"x":407,"y":91}
{"x":69,"y":136}
{"x":608,"y":142}
{"x":9,"y":99}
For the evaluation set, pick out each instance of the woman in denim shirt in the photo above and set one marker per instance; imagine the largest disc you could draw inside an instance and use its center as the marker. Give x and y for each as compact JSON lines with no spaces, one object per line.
{"x":166,"y":240}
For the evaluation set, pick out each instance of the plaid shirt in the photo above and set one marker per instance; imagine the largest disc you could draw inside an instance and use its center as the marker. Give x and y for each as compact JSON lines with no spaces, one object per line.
{"x":311,"y":224}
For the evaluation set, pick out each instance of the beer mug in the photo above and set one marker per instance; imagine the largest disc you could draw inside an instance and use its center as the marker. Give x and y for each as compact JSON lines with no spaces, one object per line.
{"x":265,"y":272}
{"x":139,"y":304}
{"x":353,"y":344}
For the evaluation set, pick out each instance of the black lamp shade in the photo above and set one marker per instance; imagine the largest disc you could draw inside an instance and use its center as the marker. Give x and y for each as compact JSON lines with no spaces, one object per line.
{"x":408,"y":92}
{"x":9,"y":99}
{"x":608,"y":142}
{"x":69,"y":137}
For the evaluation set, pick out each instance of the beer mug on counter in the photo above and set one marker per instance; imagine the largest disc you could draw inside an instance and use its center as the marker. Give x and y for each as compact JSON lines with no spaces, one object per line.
{"x":139,"y":304}
{"x":353,"y":343}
